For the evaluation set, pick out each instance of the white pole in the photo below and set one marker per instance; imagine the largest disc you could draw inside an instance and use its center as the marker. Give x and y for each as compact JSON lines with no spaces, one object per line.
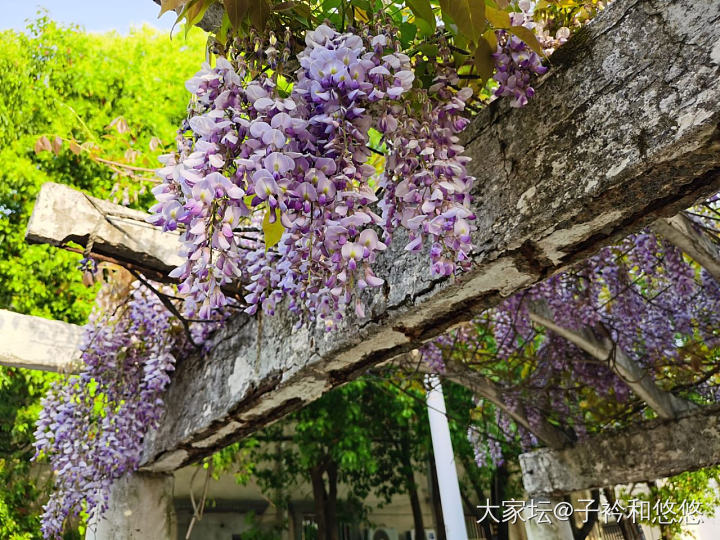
{"x":450,"y":500}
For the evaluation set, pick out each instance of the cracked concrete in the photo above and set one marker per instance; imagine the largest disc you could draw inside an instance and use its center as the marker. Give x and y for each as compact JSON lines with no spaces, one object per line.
{"x":623,"y":130}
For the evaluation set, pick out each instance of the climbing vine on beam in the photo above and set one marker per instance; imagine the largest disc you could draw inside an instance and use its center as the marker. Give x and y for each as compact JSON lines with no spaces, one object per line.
{"x":316,"y":135}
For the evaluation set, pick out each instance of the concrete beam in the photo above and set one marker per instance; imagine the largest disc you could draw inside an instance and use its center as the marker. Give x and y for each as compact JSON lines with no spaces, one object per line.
{"x":664,"y":403}
{"x":623,"y":131}
{"x":643,"y":453}
{"x":700,"y":245}
{"x":37,"y":343}
{"x":63,"y":215}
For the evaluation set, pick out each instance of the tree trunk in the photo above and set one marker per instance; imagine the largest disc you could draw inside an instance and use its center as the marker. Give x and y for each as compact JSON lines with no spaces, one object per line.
{"x":320,"y":500}
{"x":331,"y":522}
{"x":581,"y":533}
{"x":412,"y":490}
{"x":629,"y":529}
{"x":500,"y":478}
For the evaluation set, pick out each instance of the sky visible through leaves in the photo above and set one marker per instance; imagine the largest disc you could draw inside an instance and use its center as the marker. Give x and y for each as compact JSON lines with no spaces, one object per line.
{"x":92,"y":15}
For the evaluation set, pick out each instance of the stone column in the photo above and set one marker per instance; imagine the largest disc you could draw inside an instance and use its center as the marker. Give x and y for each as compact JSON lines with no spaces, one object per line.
{"x":542,"y":524}
{"x":141,"y":508}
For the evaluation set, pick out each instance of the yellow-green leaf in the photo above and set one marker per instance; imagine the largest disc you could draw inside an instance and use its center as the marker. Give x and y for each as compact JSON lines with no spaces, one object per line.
{"x":491,"y":38}
{"x":497,"y":17}
{"x":236,"y":11}
{"x":483,"y":60}
{"x":468,"y":15}
{"x":273,"y":231}
{"x":423,"y":10}
{"x":528,"y":37}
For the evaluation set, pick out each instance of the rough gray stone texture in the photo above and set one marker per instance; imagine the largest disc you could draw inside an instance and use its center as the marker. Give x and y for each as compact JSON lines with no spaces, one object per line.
{"x":644,"y":453}
{"x":697,"y":243}
{"x":623,"y":131}
{"x":63,"y":215}
{"x":141,"y":507}
{"x":37,"y":343}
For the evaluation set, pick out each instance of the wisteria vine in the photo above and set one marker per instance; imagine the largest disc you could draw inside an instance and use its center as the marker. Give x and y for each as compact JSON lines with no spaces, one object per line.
{"x":276,"y":191}
{"x":653,"y":303}
{"x":300,"y":165}
{"x":92,"y":424}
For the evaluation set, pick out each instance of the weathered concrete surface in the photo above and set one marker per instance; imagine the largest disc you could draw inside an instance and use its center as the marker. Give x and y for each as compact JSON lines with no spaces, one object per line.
{"x":37,"y":343}
{"x":623,"y":131}
{"x":62,"y":215}
{"x":664,"y":403}
{"x":646,"y":452}
{"x":140,"y":508}
{"x":542,"y":524}
{"x":698,"y":244}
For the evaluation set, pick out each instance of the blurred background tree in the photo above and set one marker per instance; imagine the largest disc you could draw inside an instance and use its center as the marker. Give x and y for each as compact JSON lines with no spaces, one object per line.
{"x":89,"y":110}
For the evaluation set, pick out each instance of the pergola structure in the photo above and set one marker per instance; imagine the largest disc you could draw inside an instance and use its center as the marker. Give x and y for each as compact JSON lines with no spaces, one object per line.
{"x":624,"y":132}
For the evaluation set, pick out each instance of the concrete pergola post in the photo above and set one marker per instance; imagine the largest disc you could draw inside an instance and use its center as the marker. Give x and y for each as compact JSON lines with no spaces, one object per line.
{"x":545,"y":526}
{"x":141,"y":508}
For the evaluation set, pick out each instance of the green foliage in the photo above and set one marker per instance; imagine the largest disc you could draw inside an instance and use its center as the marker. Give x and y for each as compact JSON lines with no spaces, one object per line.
{"x":375,"y":431}
{"x":672,"y":495}
{"x":468,"y":24}
{"x":63,"y":92}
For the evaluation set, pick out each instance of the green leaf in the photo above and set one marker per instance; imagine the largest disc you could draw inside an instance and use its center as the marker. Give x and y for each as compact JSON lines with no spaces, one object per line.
{"x":273,"y":231}
{"x":528,"y":37}
{"x":303,"y":10}
{"x":407,"y":33}
{"x":497,"y":17}
{"x":424,"y":28}
{"x":193,"y":12}
{"x":423,"y":10}
{"x":468,"y":15}
{"x":483,"y":60}
{"x":236,"y":11}
{"x":491,"y":38}
{"x":259,"y":11}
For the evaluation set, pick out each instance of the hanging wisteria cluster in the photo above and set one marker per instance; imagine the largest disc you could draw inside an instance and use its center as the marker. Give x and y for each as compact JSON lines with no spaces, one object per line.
{"x":92,"y":425}
{"x":654,"y":304}
{"x":297,"y":162}
{"x":278,"y":192}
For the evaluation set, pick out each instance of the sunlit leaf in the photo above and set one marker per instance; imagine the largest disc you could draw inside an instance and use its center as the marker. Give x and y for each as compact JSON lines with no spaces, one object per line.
{"x":491,"y":38}
{"x":468,"y":15}
{"x":167,"y":5}
{"x":528,"y":37}
{"x":497,"y":17}
{"x":423,"y":10}
{"x":272,"y":231}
